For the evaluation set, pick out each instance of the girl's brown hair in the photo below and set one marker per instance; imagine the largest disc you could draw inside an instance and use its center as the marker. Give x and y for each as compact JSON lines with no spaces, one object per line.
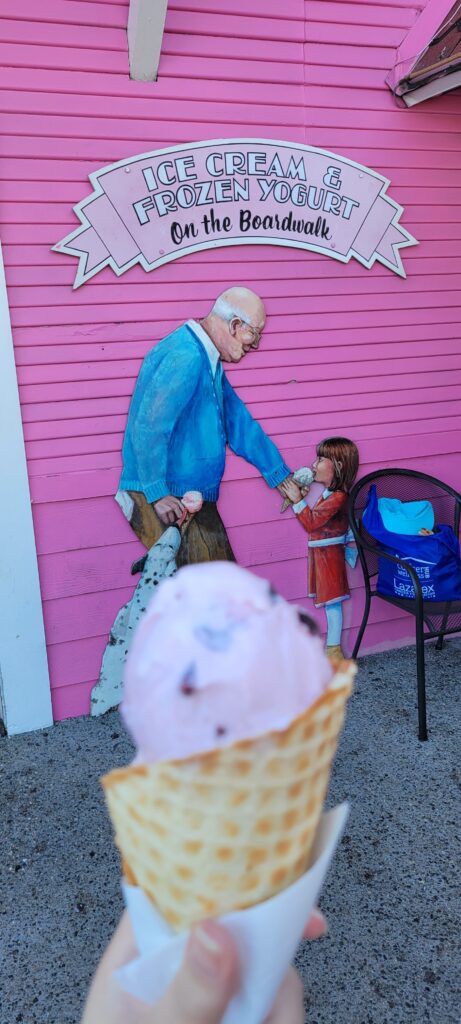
{"x":344,"y":455}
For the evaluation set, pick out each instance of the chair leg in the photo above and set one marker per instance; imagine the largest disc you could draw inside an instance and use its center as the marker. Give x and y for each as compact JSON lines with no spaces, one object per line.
{"x":421,"y":676}
{"x":443,"y":625}
{"x":361,"y":631}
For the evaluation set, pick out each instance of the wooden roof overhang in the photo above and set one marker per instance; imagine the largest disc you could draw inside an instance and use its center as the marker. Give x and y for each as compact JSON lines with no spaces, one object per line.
{"x":428,"y":61}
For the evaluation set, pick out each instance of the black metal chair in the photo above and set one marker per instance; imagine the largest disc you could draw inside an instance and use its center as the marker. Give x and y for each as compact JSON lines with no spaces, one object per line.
{"x":432,"y":619}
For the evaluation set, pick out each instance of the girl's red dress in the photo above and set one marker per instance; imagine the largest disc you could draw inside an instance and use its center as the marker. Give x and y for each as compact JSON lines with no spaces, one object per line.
{"x":327,"y":564}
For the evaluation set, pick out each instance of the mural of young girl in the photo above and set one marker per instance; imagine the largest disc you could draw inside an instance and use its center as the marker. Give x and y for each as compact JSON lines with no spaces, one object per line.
{"x":326,"y":523}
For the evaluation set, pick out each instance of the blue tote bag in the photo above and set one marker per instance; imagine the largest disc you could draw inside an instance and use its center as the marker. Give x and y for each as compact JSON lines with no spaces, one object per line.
{"x":435,"y":558}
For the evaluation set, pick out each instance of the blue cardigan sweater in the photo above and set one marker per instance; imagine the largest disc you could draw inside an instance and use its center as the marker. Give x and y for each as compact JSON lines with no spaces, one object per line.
{"x":180,"y":420}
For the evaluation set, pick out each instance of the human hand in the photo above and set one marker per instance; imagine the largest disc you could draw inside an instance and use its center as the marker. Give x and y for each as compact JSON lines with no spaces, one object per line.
{"x":292,"y":491}
{"x":282,"y":487}
{"x":169,"y":509}
{"x":202,"y":989}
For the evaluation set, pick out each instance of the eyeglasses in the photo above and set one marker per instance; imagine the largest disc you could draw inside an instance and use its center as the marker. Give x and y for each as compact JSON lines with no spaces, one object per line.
{"x":256,"y":332}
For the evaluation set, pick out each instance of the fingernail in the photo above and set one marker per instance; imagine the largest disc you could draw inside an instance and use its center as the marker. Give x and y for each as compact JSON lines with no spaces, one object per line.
{"x":204,"y":953}
{"x":320,"y":921}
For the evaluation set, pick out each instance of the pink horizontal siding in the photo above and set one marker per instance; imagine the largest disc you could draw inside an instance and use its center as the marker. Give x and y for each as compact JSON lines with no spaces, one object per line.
{"x":346,"y":350}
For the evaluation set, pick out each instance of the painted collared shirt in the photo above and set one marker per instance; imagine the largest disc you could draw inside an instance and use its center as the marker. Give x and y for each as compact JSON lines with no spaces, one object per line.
{"x":210,"y":348}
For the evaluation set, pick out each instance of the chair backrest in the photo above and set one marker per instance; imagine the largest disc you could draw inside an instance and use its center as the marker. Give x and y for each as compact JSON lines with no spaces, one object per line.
{"x":408,"y":485}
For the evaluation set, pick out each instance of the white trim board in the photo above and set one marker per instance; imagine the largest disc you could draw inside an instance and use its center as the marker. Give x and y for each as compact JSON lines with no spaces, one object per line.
{"x":25,"y":697}
{"x":146,"y":21}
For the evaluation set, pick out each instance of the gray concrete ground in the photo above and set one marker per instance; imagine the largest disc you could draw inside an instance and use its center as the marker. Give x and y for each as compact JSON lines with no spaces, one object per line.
{"x":392,"y":897}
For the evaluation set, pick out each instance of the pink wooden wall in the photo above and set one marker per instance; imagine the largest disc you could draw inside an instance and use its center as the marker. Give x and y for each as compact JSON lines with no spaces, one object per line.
{"x":346,"y":350}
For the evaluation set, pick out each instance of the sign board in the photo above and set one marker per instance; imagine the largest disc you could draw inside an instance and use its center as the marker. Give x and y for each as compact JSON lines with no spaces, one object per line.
{"x":159,"y":206}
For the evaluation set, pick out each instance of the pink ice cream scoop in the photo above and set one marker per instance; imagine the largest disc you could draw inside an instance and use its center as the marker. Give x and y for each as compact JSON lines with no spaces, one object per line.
{"x":192,"y":501}
{"x":218,"y":657}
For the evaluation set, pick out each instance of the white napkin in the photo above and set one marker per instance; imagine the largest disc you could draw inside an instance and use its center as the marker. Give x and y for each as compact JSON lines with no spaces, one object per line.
{"x":266,"y":935}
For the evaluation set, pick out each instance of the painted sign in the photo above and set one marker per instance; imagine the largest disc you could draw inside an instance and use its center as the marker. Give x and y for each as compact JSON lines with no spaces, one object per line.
{"x":156,"y":207}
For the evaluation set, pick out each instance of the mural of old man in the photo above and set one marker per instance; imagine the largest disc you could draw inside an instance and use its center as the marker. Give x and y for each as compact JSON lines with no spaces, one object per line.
{"x":182,"y":415}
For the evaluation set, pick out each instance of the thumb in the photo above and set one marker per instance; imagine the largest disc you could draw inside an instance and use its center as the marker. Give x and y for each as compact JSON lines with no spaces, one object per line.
{"x":206,"y":980}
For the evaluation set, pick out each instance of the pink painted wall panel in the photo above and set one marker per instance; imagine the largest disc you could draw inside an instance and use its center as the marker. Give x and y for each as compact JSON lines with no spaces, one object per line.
{"x":346,"y":350}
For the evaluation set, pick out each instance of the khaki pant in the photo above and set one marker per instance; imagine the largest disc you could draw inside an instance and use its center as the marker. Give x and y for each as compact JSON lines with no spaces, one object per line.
{"x":205,"y":539}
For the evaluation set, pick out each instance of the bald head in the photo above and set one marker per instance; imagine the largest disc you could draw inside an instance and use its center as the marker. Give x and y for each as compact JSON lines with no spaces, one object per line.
{"x":235,"y":323}
{"x":241,"y":302}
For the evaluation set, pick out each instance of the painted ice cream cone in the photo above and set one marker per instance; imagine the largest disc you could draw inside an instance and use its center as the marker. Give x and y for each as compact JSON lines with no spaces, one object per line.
{"x":192,"y":501}
{"x":220,"y":808}
{"x":304,"y":477}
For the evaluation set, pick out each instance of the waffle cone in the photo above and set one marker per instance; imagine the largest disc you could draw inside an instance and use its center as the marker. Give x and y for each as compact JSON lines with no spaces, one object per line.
{"x":226,"y":829}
